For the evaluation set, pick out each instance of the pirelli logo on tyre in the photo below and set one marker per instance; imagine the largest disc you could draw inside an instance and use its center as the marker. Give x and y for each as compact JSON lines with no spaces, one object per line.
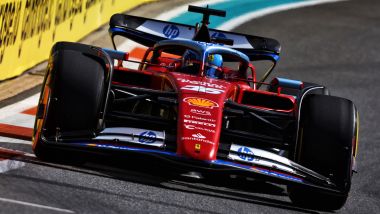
{"x":201,"y":102}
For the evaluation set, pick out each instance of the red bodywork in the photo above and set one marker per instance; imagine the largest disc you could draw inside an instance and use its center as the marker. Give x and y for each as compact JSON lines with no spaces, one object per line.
{"x":200,"y":104}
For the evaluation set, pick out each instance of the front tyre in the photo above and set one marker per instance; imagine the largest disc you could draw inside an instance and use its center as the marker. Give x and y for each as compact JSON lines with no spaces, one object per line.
{"x":327,"y":135}
{"x":73,"y":99}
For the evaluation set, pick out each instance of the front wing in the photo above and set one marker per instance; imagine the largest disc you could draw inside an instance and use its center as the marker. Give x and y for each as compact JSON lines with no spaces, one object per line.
{"x":256,"y":163}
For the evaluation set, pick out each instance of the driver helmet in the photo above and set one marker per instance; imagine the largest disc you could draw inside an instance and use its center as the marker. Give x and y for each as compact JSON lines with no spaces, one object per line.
{"x":189,"y":62}
{"x":214,"y":65}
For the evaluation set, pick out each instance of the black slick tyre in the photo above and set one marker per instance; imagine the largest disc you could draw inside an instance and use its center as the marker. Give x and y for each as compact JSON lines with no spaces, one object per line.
{"x":327,"y":131}
{"x":72,"y":99}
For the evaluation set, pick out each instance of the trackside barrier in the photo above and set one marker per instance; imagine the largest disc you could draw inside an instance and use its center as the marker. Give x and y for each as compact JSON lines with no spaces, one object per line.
{"x":29,"y":28}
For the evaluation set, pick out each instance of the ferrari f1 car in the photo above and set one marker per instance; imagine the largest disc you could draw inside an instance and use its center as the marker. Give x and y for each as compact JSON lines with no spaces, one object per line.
{"x":195,"y":100}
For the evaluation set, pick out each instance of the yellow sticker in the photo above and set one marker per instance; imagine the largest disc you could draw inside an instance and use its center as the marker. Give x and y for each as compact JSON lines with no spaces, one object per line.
{"x":201,"y":102}
{"x":28,"y":29}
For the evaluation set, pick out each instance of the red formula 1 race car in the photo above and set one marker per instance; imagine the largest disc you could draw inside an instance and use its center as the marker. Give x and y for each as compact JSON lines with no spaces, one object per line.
{"x":195,"y":100}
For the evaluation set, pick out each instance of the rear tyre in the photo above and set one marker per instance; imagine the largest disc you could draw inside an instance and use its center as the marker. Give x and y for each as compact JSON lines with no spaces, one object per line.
{"x":72,"y":99}
{"x":327,"y":131}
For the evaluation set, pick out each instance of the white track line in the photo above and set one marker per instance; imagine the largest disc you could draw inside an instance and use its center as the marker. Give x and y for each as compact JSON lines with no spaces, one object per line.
{"x":22,"y":120}
{"x":183,"y":8}
{"x":35,"y":205}
{"x":16,"y":161}
{"x":14,"y":141}
{"x":8,"y":164}
{"x":235,"y":22}
{"x":18,"y":107}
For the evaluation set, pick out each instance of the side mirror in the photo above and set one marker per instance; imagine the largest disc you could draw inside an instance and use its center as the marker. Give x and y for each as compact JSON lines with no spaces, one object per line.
{"x":287,"y":83}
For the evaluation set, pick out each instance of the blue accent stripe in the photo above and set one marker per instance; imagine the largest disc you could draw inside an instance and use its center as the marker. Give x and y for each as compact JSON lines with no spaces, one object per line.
{"x":114,"y":54}
{"x":128,"y":148}
{"x":288,"y":83}
{"x":262,"y":171}
{"x":172,"y":154}
{"x":234,"y":9}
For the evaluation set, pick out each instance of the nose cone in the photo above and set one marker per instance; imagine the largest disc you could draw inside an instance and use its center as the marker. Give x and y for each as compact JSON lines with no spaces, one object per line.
{"x":200,"y":114}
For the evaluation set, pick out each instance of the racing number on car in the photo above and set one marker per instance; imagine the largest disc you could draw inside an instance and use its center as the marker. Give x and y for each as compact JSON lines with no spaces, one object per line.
{"x":202,"y":89}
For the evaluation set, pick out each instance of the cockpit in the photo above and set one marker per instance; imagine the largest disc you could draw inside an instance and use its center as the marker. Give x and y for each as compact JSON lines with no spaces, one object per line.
{"x":198,"y":58}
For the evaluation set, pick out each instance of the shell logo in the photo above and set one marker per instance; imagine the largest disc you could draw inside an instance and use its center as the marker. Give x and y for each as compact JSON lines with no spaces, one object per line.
{"x":200,"y":102}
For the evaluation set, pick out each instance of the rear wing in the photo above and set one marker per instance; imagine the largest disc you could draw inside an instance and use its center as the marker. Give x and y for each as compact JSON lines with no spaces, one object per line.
{"x":149,"y":31}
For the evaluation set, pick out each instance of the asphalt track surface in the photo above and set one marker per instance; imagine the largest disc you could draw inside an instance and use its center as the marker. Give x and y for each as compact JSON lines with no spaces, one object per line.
{"x":337,"y":45}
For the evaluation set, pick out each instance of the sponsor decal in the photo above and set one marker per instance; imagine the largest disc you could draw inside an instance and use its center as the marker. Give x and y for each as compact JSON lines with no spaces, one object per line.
{"x":206,"y":84}
{"x":171,"y":31}
{"x":199,"y":118}
{"x":245,"y":150}
{"x":193,"y":127}
{"x":202,"y":89}
{"x":218,"y":35}
{"x":197,"y":147}
{"x":132,"y":135}
{"x":201,"y":102}
{"x":199,"y":123}
{"x":197,"y":139}
{"x":35,"y":25}
{"x":198,"y":135}
{"x":200,"y":112}
{"x":147,"y":137}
